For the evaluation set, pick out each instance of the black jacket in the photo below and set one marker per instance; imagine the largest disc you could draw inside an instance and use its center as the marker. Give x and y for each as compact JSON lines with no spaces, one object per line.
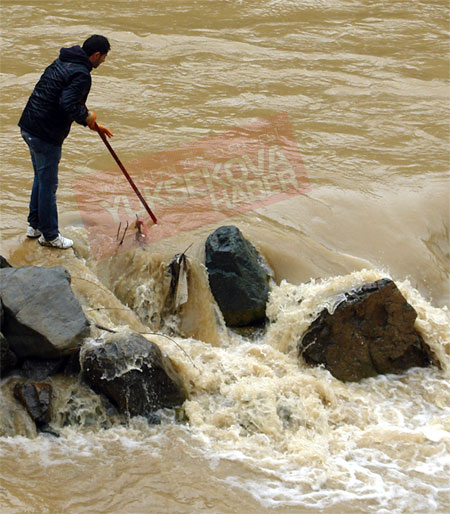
{"x":58,"y":98}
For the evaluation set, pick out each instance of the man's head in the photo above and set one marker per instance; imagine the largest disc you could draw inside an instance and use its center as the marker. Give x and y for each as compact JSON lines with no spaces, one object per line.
{"x":96,"y":48}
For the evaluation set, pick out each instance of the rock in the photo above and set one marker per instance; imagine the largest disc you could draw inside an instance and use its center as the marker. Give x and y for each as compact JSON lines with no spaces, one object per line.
{"x":250,"y":332}
{"x":237,"y":277}
{"x":8,"y":359}
{"x":14,"y":419}
{"x":132,"y":373}
{"x":36,"y":398}
{"x":4,"y":263}
{"x":42,"y":316}
{"x":47,"y":429}
{"x":369,"y":331}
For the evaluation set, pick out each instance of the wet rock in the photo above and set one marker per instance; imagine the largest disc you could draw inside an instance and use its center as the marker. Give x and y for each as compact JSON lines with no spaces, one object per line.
{"x":369,"y":331}
{"x":14,"y":419}
{"x":251,"y":332}
{"x":47,"y":429}
{"x":153,"y":418}
{"x":237,"y":277}
{"x":4,"y":263}
{"x":132,"y":373}
{"x":8,"y":359}
{"x":42,"y":316}
{"x":36,"y":398}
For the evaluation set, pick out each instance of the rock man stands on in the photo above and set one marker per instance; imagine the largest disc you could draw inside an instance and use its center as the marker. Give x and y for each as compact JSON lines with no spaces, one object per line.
{"x":57,"y":100}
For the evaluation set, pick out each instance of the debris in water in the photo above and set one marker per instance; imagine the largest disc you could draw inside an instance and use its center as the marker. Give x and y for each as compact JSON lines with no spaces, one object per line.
{"x":179,"y":283}
{"x":124,"y":232}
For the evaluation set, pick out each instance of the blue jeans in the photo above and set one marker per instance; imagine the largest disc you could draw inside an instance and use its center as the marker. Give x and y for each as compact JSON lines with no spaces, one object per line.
{"x":43,"y":211}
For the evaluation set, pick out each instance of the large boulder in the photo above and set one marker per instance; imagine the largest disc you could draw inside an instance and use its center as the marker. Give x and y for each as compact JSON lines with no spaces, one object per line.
{"x":132,"y":373}
{"x":368,"y":331}
{"x":42,"y":317}
{"x":238,"y":277}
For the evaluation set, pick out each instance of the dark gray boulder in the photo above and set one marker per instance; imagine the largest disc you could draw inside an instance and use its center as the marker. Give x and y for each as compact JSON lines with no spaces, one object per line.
{"x":132,"y":373}
{"x":238,"y":278}
{"x":369,"y":331}
{"x":36,"y":398}
{"x":42,"y":317}
{"x":14,"y":418}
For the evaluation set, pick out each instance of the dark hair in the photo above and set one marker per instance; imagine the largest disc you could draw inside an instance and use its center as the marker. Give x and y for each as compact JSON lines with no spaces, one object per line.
{"x":96,"y":43}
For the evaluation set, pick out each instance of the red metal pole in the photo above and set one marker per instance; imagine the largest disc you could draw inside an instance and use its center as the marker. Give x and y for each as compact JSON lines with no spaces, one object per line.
{"x":127,"y":176}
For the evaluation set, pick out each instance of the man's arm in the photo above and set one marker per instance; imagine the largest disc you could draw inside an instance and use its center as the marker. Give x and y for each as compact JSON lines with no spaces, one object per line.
{"x":73,"y":97}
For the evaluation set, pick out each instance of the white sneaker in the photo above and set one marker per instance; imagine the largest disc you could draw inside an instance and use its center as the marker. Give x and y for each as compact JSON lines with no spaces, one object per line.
{"x":33,"y":232}
{"x":58,"y":242}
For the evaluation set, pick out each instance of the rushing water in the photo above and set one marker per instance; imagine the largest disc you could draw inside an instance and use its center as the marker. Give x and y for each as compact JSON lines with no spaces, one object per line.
{"x":365,"y":88}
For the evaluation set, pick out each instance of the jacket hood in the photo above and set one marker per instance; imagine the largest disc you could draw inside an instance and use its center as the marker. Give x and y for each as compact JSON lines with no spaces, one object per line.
{"x":75,"y":54}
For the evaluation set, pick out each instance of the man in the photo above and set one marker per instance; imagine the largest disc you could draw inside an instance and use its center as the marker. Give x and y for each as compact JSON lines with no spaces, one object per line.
{"x":57,"y":100}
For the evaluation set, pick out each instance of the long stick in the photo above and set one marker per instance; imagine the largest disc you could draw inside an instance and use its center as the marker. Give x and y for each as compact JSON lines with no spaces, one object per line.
{"x":127,"y":176}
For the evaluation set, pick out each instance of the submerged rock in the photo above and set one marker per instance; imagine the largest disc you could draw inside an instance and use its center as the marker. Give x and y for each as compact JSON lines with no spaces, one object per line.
{"x":250,"y":332}
{"x":76,"y":404}
{"x":369,"y":331}
{"x":133,"y":374}
{"x":47,"y":429}
{"x":237,"y":277}
{"x":36,"y":398}
{"x":42,"y":316}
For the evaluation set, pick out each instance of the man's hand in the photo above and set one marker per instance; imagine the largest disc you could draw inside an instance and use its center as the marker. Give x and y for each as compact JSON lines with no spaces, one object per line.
{"x":90,"y":119}
{"x":103,"y":130}
{"x":93,"y":125}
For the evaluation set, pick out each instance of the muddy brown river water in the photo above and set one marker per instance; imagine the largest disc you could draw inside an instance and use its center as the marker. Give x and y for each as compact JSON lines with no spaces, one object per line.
{"x":364,"y":87}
